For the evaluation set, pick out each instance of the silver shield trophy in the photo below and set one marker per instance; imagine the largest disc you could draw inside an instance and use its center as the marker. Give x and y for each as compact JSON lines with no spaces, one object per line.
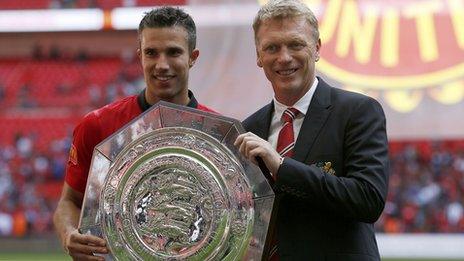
{"x":170,"y":185}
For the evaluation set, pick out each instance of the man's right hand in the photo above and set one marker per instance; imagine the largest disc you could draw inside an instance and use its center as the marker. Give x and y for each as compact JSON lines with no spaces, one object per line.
{"x":66,"y":220}
{"x":82,"y":247}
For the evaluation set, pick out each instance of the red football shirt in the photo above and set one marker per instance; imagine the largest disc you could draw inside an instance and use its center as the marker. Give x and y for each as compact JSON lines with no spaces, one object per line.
{"x":97,"y":126}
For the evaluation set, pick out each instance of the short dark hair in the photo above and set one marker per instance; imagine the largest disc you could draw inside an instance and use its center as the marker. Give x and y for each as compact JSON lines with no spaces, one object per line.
{"x":168,"y":16}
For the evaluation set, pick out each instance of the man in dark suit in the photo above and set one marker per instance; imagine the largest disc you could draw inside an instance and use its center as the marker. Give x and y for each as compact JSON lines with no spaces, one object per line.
{"x":325,"y":148}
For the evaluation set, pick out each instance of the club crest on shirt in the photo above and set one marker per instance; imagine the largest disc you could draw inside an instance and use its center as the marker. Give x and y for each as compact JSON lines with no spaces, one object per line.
{"x":73,"y":155}
{"x":326,"y":167}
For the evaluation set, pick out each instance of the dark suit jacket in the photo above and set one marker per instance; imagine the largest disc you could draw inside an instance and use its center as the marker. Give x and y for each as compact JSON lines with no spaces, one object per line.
{"x":328,"y":214}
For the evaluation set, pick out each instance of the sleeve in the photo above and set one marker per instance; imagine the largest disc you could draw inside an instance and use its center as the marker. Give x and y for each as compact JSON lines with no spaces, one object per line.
{"x":86,"y":136}
{"x":361,"y":192}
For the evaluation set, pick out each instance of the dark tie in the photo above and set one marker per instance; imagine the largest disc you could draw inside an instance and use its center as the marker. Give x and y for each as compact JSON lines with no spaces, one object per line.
{"x":285,"y":144}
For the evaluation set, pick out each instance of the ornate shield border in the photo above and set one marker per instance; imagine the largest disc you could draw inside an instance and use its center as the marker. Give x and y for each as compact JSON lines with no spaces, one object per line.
{"x":171,"y":185}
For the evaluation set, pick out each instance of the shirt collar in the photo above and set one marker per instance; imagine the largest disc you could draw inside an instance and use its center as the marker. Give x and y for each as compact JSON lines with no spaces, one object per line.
{"x":144,"y":105}
{"x":301,"y":105}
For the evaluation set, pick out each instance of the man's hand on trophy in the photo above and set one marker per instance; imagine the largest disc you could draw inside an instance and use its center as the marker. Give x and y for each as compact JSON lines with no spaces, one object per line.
{"x":252,"y":146}
{"x":83,"y":247}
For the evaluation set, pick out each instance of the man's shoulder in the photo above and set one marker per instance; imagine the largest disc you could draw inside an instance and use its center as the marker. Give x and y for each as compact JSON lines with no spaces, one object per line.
{"x":350,"y":98}
{"x":256,"y":117}
{"x":116,"y":111}
{"x":347,"y":102}
{"x":258,"y":113}
{"x":122,"y":106}
{"x":202,"y":107}
{"x":119,"y":106}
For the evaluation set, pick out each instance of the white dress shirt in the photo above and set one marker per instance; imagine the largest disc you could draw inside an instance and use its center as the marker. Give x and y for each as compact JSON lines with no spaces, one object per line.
{"x":301,"y":105}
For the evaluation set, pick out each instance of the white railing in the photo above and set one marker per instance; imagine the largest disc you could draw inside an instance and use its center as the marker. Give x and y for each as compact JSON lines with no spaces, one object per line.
{"x":440,"y":246}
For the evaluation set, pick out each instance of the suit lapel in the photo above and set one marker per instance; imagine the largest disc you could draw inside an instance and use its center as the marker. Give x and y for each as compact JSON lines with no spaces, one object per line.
{"x":263,"y":121}
{"x":318,"y":111}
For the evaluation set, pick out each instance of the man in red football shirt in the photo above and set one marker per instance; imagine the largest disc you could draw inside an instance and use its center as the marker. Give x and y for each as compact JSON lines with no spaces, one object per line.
{"x":167,"y":51}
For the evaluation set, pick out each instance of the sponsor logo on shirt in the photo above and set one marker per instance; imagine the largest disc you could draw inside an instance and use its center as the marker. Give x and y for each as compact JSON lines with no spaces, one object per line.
{"x":73,"y":155}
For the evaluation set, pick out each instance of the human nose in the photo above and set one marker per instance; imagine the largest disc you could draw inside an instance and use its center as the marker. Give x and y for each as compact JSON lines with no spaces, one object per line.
{"x":284,"y":55}
{"x":162,"y":63}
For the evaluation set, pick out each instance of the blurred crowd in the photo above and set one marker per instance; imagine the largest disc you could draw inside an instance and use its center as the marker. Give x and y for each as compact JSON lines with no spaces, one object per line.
{"x":71,"y":4}
{"x":61,"y":79}
{"x":29,"y":183}
{"x":426,"y":190}
{"x":33,"y":153}
{"x":59,"y":4}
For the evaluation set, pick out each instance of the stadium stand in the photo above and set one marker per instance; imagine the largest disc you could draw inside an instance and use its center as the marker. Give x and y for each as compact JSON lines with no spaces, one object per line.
{"x":42,"y":101}
{"x":426,"y":182}
{"x":426,"y":188}
{"x":43,"y":97}
{"x":61,"y":83}
{"x":102,"y":4}
{"x":31,"y":4}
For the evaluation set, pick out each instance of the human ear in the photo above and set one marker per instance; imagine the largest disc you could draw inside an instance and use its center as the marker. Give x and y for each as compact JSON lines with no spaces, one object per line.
{"x":259,"y":62}
{"x":318,"y":48}
{"x":193,"y":57}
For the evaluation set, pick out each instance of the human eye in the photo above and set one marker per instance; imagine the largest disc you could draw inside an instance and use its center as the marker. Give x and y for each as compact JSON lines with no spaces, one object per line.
{"x":271,"y":48}
{"x":174,"y":52}
{"x":149,"y":52}
{"x":296,"y":46}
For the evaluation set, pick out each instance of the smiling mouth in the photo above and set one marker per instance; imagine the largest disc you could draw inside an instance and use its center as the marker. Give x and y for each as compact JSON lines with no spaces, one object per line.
{"x":286,"y":72}
{"x":163,"y":78}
